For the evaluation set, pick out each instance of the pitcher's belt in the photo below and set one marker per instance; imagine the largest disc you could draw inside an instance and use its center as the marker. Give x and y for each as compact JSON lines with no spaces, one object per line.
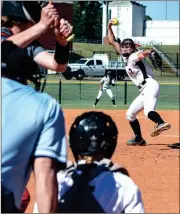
{"x":141,"y":84}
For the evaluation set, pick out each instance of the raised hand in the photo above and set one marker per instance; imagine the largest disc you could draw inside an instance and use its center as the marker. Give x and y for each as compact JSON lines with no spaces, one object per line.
{"x":49,"y":16}
{"x":63,"y":31}
{"x":110,"y":23}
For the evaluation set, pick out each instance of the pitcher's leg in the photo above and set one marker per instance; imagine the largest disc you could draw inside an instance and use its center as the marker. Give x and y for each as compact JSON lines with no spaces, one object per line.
{"x":134,"y":109}
{"x":149,"y":109}
{"x":150,"y":101}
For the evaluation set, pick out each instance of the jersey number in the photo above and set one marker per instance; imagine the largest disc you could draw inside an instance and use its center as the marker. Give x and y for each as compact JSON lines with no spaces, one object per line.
{"x":131,"y":73}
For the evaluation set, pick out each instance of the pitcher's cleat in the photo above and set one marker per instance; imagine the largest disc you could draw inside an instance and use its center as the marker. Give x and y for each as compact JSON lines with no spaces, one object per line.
{"x":94,"y":106}
{"x":159,"y":128}
{"x":133,"y":142}
{"x":114,"y":106}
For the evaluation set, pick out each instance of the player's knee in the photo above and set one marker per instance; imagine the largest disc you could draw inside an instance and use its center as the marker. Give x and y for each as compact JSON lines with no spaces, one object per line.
{"x":146,"y":112}
{"x":112,"y":98}
{"x":130,"y":117}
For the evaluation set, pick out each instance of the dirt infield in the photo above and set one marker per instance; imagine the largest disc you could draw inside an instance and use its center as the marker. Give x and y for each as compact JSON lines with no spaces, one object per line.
{"x":154,"y":168}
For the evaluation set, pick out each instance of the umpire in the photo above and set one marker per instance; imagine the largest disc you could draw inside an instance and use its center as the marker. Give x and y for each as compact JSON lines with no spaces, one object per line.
{"x":31,"y":137}
{"x":33,"y":131}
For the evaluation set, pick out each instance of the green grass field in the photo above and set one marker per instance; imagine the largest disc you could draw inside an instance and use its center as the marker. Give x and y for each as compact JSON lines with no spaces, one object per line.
{"x":76,"y":95}
{"x":171,"y":51}
{"x":159,"y":78}
{"x":86,"y":50}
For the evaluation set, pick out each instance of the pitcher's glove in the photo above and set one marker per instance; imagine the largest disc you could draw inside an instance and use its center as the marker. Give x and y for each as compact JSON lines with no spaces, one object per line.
{"x":156,"y":60}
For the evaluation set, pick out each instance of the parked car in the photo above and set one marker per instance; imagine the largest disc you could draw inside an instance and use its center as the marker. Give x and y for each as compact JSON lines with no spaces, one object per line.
{"x":117,"y":70}
{"x":88,"y":67}
{"x":97,"y":66}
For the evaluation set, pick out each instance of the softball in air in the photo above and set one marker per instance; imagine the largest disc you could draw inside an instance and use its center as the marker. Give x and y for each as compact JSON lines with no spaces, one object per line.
{"x":115,"y":21}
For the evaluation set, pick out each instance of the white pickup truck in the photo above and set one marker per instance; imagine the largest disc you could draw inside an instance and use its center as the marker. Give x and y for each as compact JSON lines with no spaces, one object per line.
{"x":95,"y":67}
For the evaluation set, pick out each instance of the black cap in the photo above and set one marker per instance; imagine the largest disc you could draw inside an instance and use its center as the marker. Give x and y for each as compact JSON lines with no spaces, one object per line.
{"x":128,"y":41}
{"x":25,"y":10}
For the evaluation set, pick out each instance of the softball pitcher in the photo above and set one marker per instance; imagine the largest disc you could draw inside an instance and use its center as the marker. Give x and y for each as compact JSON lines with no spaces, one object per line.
{"x":105,"y":83}
{"x":142,"y":76}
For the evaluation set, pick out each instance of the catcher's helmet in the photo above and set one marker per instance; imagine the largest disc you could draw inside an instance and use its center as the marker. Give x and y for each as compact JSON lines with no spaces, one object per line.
{"x":23,"y":10}
{"x":93,"y":133}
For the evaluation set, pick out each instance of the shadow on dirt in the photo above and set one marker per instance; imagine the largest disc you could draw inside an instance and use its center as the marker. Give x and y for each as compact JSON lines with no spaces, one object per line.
{"x":174,"y":146}
{"x":170,"y":146}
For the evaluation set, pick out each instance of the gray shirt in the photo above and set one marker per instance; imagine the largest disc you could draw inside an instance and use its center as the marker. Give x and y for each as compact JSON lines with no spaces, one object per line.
{"x":33,"y":49}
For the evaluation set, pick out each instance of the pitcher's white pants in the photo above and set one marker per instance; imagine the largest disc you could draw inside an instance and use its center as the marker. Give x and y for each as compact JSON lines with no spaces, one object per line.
{"x":108,"y":91}
{"x":146,"y":100}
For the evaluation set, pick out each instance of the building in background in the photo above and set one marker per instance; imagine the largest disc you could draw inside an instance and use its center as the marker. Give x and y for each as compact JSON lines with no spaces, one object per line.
{"x":165,"y":32}
{"x":133,"y":24}
{"x":131,"y":16}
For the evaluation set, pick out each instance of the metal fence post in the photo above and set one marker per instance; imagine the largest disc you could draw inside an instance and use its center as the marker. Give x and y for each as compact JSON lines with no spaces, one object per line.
{"x":161,"y":69}
{"x":80,"y":89}
{"x":116,"y":83}
{"x":177,"y":61}
{"x":60,"y":91}
{"x":125,"y":92}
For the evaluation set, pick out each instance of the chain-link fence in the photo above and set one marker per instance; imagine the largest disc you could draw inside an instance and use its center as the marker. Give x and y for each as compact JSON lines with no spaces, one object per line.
{"x":89,"y":41}
{"x":82,"y":94}
{"x":76,"y":55}
{"x":170,"y":68}
{"x":171,"y":63}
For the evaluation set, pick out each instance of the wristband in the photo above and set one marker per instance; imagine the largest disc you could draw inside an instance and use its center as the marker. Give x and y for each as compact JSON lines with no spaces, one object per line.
{"x":61,"y":53}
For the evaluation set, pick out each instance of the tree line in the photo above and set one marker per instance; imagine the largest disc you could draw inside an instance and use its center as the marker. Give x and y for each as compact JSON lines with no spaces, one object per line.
{"x":87,"y":19}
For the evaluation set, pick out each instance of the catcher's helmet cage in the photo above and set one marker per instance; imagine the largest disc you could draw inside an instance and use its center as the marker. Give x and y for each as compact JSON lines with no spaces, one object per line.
{"x":24,"y":10}
{"x":93,"y":133}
